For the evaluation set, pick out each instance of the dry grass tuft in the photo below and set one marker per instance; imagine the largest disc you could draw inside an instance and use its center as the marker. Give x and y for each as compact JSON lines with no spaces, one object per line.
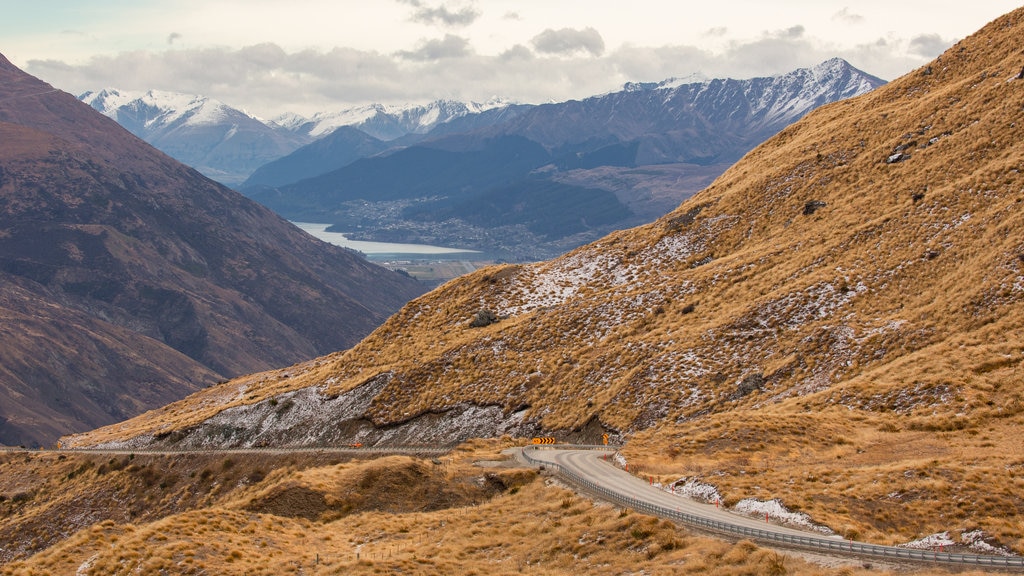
{"x":538,"y":528}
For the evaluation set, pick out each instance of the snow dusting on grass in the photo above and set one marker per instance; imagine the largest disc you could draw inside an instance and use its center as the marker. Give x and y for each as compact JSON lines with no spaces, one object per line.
{"x":776,"y":511}
{"x":974,"y":540}
{"x":695,"y":489}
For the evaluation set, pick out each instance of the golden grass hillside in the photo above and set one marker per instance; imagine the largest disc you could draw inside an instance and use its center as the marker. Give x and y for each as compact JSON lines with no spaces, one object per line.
{"x":836,"y":322}
{"x":217,"y":514}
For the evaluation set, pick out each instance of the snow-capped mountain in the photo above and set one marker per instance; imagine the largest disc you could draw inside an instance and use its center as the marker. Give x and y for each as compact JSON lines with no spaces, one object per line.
{"x":388,"y":122}
{"x":554,"y":166}
{"x":691,"y":119}
{"x":228,"y":144}
{"x":222,"y":142}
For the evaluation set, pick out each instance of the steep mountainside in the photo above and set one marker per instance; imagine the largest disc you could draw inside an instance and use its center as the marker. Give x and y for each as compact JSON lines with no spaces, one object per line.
{"x":710,"y":121}
{"x":128,"y":280}
{"x":837,"y":322}
{"x":449,"y":184}
{"x":222,"y":142}
{"x":340,"y":148}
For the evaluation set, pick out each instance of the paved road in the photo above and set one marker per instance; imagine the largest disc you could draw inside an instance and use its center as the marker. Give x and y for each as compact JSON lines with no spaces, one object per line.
{"x":591,"y":464}
{"x":588,"y":469}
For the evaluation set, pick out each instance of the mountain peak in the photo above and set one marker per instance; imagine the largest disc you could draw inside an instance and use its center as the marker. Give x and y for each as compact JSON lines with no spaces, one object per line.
{"x":6,"y":65}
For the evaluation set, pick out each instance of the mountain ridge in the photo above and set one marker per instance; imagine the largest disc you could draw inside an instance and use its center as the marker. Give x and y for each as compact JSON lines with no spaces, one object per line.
{"x":222,"y":142}
{"x":449,"y":189}
{"x":128,"y":279}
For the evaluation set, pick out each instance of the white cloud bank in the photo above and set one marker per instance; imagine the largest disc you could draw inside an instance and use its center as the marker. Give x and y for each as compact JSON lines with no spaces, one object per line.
{"x":559,"y":65}
{"x":410,"y":51}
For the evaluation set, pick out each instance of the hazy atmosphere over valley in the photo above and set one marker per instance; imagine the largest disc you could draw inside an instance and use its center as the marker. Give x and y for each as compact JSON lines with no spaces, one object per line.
{"x":511,"y":287}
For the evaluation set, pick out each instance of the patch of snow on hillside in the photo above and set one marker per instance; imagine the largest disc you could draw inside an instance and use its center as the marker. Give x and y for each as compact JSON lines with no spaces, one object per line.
{"x":620,"y":460}
{"x":775,"y":510}
{"x":975,"y":539}
{"x":930,"y":542}
{"x":558,"y":281}
{"x":695,"y":490}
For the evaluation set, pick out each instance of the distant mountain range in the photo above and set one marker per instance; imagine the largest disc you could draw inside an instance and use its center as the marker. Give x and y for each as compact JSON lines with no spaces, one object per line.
{"x":520,"y":182}
{"x":228,"y":144}
{"x":128,"y":279}
{"x":540,"y":180}
{"x":224,"y":143}
{"x":389,"y":122}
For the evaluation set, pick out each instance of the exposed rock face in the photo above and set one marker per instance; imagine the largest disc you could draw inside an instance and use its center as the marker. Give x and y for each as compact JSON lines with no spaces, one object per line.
{"x":128,"y":280}
{"x":309,"y":417}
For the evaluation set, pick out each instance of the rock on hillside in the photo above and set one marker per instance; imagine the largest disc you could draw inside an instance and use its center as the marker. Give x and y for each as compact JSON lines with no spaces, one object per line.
{"x":128,"y":280}
{"x":818,"y":271}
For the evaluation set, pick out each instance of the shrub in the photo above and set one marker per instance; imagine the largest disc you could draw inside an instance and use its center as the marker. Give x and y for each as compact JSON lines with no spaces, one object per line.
{"x":483,"y":318}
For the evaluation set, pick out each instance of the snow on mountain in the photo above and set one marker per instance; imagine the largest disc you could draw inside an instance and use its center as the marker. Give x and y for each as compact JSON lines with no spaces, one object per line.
{"x":388,"y":121}
{"x":222,"y":142}
{"x":157,"y":108}
{"x":695,"y":121}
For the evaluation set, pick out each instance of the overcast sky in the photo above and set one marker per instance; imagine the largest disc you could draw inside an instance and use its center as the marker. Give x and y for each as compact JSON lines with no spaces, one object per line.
{"x":273,"y":56}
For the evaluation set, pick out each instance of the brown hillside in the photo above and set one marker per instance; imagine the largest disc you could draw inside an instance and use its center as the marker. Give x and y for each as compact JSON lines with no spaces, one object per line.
{"x":265,"y":514}
{"x":837,"y":321}
{"x":128,"y":280}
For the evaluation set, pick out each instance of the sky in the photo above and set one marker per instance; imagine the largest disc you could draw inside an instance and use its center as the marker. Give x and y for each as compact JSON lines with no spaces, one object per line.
{"x":270,"y":57}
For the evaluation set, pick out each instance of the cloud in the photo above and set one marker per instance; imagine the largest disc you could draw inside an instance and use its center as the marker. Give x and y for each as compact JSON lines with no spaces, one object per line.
{"x":928,"y":45}
{"x":568,"y":41}
{"x":791,"y":33}
{"x":847,"y":17}
{"x":716,"y":31}
{"x":172,"y":37}
{"x":268,"y":80}
{"x":450,"y":46}
{"x":424,"y":14}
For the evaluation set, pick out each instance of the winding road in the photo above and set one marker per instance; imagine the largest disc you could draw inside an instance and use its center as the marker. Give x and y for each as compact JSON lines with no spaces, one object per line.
{"x":587,"y":469}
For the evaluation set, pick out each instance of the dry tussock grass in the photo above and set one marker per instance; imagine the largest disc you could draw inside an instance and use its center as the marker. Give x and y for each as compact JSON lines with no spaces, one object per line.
{"x":816,"y":292}
{"x":532,"y":526}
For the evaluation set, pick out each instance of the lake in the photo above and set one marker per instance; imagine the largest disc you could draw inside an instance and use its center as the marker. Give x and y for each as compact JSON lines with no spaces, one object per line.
{"x":379,"y":250}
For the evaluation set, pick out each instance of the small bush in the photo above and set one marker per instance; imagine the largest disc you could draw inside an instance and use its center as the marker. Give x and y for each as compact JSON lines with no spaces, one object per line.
{"x":483,"y":318}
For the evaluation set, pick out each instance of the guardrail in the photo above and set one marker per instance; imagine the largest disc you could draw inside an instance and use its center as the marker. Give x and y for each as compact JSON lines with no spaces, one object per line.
{"x":842,"y":547}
